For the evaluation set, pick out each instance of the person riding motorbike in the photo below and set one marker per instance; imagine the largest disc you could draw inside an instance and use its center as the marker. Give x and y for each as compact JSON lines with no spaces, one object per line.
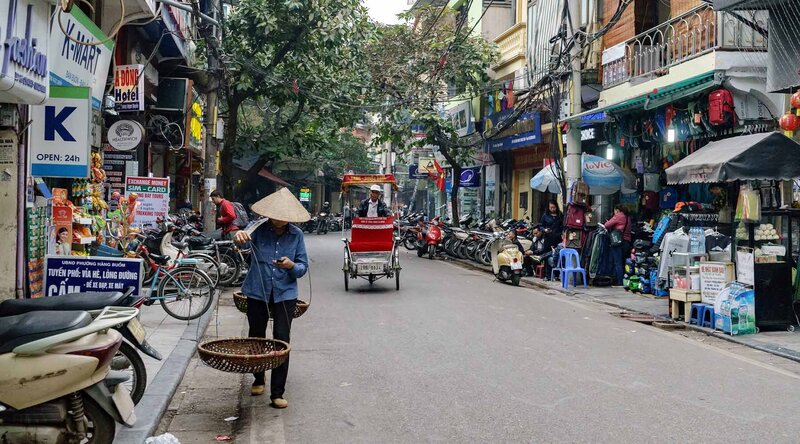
{"x":374,"y":206}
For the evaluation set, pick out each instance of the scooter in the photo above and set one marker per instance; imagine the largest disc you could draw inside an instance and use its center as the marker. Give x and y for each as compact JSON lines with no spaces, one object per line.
{"x":433,"y":236}
{"x":126,"y":359}
{"x":55,"y":384}
{"x":507,"y":261}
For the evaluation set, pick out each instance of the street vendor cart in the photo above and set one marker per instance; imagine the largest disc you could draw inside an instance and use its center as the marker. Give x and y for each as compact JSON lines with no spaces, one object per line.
{"x":371,"y":247}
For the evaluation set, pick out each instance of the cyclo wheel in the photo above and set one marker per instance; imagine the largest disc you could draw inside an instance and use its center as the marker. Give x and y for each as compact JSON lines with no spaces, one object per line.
{"x":346,"y":282}
{"x":186,"y":293}
{"x":397,"y":279}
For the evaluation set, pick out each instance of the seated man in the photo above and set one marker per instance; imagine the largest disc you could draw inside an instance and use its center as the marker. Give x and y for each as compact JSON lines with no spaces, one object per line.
{"x":540,"y":252}
{"x":374,"y":206}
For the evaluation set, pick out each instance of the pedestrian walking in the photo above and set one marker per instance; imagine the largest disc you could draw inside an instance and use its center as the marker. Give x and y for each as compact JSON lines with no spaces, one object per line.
{"x":278,"y":260}
{"x":226,"y":215}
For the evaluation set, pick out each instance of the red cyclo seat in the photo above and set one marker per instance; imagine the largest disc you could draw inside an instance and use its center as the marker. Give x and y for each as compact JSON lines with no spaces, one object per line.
{"x":372,"y":234}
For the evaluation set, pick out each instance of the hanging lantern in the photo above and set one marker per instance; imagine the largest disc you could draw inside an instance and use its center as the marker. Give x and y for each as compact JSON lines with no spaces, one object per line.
{"x":789,"y":122}
{"x":796,"y":100}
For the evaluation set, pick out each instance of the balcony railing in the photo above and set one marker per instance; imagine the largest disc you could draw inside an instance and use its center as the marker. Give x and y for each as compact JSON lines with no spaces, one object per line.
{"x":688,"y":36}
{"x":512,"y":45}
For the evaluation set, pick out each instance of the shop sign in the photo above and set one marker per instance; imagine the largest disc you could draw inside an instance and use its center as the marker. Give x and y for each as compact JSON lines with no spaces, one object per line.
{"x":23,"y":52}
{"x":305,"y":194}
{"x":461,"y":118}
{"x":125,"y":135}
{"x":129,"y":88}
{"x":470,"y":178}
{"x":73,"y":274}
{"x":62,"y":230}
{"x":115,"y":164}
{"x":74,"y":64}
{"x":414,"y":173}
{"x":153,"y":198}
{"x":530,"y":158}
{"x":527,"y":130}
{"x":426,"y":165}
{"x":59,"y":134}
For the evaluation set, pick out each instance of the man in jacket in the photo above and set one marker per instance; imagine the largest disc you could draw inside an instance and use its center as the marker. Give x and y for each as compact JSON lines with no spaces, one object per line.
{"x":374,"y":206}
{"x":226,"y":215}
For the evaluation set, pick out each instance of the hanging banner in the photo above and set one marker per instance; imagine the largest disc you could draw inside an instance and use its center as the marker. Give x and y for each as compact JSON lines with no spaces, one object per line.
{"x":59,"y":134}
{"x":65,"y":275}
{"x":61,"y":244}
{"x":24,"y":67}
{"x":153,"y":198}
{"x":74,"y":64}
{"x":129,"y":88}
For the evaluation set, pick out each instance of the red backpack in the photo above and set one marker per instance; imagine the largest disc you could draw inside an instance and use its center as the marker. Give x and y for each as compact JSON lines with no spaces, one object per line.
{"x":721,"y":108}
{"x":575,"y":216}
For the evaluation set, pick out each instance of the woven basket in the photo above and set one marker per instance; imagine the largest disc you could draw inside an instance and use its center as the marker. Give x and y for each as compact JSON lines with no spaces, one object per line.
{"x":241,"y":303}
{"x":244,"y":355}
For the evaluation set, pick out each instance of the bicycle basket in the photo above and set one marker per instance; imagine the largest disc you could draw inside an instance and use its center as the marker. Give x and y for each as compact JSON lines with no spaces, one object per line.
{"x":244,"y":355}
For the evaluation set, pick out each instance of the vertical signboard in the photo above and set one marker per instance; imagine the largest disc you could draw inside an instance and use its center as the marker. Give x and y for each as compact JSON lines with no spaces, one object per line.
{"x":153,"y":198}
{"x":59,"y":134}
{"x":23,"y":52}
{"x":75,"y":64}
{"x":129,"y":88}
{"x":115,"y":165}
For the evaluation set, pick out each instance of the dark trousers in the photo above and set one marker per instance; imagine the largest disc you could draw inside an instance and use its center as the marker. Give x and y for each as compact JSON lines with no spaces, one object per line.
{"x":257,"y":317}
{"x":618,"y":255}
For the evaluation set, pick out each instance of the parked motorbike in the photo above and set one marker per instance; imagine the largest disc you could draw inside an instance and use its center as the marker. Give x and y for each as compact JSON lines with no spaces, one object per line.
{"x":55,"y":383}
{"x":126,"y":359}
{"x":430,"y":237}
{"x":507,"y":261}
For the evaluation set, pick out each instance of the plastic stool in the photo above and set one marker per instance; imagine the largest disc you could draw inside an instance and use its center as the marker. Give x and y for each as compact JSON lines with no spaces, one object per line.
{"x":709,"y":317}
{"x":696,"y":317}
{"x":539,"y":271}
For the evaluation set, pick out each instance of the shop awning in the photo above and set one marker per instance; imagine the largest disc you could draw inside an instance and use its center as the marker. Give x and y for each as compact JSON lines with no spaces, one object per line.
{"x":269,"y":176}
{"x":768,"y":156}
{"x":652,"y":100}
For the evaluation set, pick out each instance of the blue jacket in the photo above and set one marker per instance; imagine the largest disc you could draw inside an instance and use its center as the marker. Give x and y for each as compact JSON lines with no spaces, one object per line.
{"x":265,"y":278}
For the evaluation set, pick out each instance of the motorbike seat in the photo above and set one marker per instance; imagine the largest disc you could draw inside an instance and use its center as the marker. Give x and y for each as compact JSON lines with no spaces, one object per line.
{"x":29,"y":327}
{"x":180,"y":245}
{"x":159,"y":259}
{"x":90,"y":300}
{"x":199,"y":242}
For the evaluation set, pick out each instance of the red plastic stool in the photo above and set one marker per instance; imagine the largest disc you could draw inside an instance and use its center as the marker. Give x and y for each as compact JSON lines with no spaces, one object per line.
{"x":539,"y":271}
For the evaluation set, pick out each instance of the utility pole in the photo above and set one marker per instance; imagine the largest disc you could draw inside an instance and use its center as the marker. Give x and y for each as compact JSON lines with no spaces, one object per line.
{"x":213,"y":37}
{"x":574,"y":135}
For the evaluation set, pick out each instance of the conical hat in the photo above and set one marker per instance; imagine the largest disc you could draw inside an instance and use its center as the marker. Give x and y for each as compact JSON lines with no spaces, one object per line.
{"x":282,"y":205}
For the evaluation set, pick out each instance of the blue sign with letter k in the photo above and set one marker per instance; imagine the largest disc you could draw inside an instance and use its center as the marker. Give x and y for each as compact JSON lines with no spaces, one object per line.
{"x":54,"y":123}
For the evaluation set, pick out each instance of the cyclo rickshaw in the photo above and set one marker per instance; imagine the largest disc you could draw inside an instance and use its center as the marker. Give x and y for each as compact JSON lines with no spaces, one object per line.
{"x":372,"y":249}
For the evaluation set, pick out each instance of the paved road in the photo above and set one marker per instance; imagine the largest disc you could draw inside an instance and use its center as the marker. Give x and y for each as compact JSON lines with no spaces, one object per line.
{"x":455,"y":357}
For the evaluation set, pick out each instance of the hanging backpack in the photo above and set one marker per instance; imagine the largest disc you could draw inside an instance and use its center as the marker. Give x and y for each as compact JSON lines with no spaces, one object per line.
{"x":575,"y":216}
{"x":580,"y":193}
{"x":721,"y":108}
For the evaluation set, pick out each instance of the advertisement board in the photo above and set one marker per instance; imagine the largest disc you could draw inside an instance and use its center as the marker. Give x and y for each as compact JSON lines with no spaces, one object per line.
{"x":59,"y":134}
{"x":526,"y":130}
{"x":153,"y":201}
{"x":75,"y":274}
{"x":129,"y":88}
{"x":24,"y":71}
{"x":74,"y":64}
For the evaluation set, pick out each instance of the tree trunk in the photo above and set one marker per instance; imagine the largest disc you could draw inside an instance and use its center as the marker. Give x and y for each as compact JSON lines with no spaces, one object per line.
{"x":454,"y":194}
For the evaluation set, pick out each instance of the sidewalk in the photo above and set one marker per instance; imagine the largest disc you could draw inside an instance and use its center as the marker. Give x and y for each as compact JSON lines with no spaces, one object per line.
{"x":781,"y":343}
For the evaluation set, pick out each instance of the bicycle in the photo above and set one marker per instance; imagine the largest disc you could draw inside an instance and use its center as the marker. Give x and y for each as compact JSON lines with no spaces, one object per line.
{"x":176,"y":286}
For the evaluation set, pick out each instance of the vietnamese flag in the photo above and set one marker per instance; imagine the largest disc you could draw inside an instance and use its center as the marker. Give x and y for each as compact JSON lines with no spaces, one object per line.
{"x":440,"y":175}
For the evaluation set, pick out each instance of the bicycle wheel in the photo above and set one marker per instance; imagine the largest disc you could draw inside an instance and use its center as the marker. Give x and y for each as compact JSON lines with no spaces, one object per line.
{"x":186,"y":293}
{"x":232,"y":268}
{"x":209,"y":265}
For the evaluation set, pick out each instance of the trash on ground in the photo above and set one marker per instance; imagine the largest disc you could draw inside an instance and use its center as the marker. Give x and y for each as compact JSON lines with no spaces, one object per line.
{"x":167,"y":438}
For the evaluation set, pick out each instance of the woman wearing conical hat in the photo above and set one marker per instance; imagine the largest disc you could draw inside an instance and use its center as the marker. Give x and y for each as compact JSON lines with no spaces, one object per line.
{"x":278,"y":260}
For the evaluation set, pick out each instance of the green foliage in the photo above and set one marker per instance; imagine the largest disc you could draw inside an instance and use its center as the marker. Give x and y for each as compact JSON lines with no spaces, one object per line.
{"x":293,"y":71}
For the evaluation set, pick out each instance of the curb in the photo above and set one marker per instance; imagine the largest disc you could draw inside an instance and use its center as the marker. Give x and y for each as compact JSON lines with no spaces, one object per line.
{"x":159,"y":393}
{"x":763,"y":347}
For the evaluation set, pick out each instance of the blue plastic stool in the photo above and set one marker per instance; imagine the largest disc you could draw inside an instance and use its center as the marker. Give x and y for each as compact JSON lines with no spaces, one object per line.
{"x":696,"y":317}
{"x":709,"y":317}
{"x":569,"y":264}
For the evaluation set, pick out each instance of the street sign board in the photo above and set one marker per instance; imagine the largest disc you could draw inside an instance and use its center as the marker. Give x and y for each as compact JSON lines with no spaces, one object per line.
{"x":73,"y":274}
{"x":59,"y":134}
{"x":153,"y":198}
{"x":305,"y":194}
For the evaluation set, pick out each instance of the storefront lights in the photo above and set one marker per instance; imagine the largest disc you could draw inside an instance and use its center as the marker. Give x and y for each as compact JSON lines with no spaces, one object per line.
{"x":610,"y":153}
{"x":671,"y":134}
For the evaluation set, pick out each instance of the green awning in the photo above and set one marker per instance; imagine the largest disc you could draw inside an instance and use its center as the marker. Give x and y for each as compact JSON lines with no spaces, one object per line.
{"x":653,"y":100}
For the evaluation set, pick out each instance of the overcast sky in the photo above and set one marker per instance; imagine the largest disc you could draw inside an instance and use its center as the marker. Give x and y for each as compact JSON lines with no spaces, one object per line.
{"x":385,"y":11}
